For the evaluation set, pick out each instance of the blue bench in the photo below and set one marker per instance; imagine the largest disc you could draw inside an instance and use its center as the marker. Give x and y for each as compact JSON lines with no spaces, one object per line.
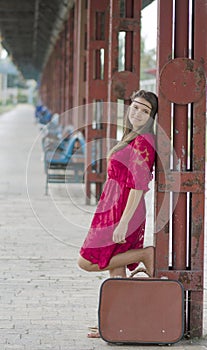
{"x":52,"y":134}
{"x":42,"y":114}
{"x":66,"y":165}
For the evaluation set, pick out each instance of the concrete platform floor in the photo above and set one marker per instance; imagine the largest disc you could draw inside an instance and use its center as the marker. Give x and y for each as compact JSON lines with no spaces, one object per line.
{"x":46,"y":302}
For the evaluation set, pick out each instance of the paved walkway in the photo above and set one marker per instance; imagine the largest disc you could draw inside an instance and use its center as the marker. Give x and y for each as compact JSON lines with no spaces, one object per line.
{"x":46,"y":302}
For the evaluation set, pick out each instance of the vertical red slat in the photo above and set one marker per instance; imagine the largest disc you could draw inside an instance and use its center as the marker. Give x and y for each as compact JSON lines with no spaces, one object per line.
{"x":58,"y":77}
{"x":180,"y":134}
{"x":164,"y":53}
{"x":129,"y":50}
{"x":53,"y":73}
{"x":62,"y":60}
{"x":70,"y":58}
{"x":181,"y":48}
{"x":67,"y":69}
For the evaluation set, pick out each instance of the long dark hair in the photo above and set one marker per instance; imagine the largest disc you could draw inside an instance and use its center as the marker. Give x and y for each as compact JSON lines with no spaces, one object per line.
{"x":129,"y":134}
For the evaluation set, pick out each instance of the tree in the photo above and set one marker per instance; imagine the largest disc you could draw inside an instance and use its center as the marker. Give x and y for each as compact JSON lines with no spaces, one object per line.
{"x":147,"y":61}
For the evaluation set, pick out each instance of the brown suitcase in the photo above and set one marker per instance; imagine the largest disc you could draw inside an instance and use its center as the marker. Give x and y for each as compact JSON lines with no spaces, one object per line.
{"x":141,"y":310}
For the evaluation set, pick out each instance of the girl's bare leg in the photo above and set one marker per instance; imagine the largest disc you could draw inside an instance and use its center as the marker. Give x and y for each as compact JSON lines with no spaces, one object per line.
{"x":118,"y":272}
{"x":117,"y":267}
{"x":145,"y":255}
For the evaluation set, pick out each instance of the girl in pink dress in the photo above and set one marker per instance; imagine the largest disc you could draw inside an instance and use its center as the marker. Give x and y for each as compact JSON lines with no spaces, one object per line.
{"x":116,"y":235}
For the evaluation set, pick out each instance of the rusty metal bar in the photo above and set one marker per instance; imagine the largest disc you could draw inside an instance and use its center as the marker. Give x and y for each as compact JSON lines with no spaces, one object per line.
{"x":70,"y":58}
{"x":164,"y":54}
{"x":180,"y":144}
{"x":54,"y":82}
{"x":181,"y":42}
{"x":69,"y":66}
{"x":62,"y":71}
{"x":129,"y":50}
{"x":196,"y":283}
{"x":171,"y":182}
{"x":67,"y":69}
{"x":79,"y":57}
{"x":58,"y":75}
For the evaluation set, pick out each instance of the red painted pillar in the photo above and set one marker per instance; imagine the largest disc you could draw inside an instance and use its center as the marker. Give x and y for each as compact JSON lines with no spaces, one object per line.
{"x":69,"y":67}
{"x":62,"y":70}
{"x":96,"y":95}
{"x":80,"y":20}
{"x":180,"y":170}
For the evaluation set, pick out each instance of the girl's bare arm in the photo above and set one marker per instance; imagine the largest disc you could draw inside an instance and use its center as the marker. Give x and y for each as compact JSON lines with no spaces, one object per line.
{"x":131,"y":205}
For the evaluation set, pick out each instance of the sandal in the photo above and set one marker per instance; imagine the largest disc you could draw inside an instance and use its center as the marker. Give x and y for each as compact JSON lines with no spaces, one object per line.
{"x":94,"y":335}
{"x":145,"y":270}
{"x":94,"y":332}
{"x":138,"y":270}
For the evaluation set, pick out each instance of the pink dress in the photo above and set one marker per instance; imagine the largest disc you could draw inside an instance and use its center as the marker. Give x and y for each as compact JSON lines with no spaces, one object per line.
{"x":130,"y":167}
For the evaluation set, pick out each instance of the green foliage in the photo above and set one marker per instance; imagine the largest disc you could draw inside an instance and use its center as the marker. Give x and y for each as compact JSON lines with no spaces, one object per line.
{"x":148,"y":61}
{"x":5,"y":108}
{"x":21,"y":98}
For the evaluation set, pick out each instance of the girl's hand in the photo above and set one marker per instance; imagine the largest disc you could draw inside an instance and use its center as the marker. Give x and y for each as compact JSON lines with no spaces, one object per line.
{"x":119,"y":235}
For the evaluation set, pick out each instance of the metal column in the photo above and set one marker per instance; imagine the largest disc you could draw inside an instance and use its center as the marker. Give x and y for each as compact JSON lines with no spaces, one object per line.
{"x":79,"y":58}
{"x":180,"y":170}
{"x":96,"y":94}
{"x":69,"y":61}
{"x":62,"y":69}
{"x":57,"y":77}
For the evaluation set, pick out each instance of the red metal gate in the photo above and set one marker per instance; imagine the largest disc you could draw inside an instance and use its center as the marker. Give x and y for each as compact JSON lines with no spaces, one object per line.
{"x":180,"y":175}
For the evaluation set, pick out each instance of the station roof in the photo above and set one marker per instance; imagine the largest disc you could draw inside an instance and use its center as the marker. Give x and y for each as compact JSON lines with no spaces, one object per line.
{"x":30,"y":28}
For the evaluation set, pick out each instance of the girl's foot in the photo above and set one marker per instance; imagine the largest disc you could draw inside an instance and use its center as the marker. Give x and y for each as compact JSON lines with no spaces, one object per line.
{"x":94,"y":332}
{"x":139,"y":270}
{"x":148,"y":261}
